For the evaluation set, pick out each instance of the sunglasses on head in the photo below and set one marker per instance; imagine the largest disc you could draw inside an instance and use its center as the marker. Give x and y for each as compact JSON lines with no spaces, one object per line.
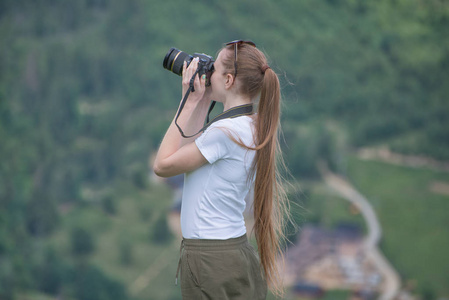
{"x":236,"y":43}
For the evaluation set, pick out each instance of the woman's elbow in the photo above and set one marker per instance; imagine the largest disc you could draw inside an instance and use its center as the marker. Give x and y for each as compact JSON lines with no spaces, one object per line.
{"x":158,"y":170}
{"x":161,"y":170}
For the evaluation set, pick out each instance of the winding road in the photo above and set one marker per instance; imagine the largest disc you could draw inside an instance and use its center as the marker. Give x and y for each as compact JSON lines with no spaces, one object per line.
{"x":391,"y":278}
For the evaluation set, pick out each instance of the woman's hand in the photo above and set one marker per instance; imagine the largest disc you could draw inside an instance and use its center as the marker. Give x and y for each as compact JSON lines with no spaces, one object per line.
{"x":199,"y":83}
{"x":178,"y":155}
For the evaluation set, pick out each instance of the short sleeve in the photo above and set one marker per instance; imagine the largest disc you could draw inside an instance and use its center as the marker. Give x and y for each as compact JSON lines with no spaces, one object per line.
{"x":214,"y":144}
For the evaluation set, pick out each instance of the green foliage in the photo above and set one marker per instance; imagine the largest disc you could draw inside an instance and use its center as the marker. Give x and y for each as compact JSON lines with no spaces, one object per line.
{"x":126,"y":252}
{"x":414,"y":220}
{"x":109,"y":206}
{"x":160,"y":233}
{"x":140,"y":179}
{"x":82,"y":242}
{"x":304,"y":146}
{"x":323,"y":208}
{"x":84,"y":98}
{"x":41,"y":215}
{"x":52,"y":272}
{"x":91,"y":284}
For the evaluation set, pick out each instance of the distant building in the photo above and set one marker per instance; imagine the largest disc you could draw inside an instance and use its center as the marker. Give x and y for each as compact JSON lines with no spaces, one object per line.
{"x":305,"y":290}
{"x":330,"y":259}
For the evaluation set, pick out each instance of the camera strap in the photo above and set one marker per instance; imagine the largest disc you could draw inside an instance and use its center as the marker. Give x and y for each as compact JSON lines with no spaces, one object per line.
{"x":237,"y":111}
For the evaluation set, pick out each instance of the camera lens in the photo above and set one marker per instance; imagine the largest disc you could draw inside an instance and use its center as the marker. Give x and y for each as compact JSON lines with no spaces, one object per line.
{"x":174,"y":60}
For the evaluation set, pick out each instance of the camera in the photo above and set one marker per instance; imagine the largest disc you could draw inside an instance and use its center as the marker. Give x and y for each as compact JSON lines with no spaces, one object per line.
{"x":175,"y":58}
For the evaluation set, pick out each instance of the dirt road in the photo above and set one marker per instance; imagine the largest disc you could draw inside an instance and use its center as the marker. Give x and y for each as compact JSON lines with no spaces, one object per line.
{"x":391,"y":278}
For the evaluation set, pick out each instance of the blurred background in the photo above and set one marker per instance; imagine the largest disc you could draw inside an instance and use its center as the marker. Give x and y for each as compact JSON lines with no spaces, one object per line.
{"x":84,"y":103}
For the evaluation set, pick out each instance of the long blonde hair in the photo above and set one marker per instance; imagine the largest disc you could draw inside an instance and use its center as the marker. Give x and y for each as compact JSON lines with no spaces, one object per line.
{"x":270,"y":205}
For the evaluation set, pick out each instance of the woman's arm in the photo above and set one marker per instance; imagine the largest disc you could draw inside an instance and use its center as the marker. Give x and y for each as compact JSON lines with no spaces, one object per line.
{"x":176,"y":154}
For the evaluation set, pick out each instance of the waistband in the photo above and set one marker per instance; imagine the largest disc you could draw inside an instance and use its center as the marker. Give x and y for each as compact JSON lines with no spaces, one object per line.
{"x":209,"y":245}
{"x":206,"y":244}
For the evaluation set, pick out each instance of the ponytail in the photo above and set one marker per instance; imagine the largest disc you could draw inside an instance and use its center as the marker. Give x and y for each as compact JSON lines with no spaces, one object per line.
{"x":270,"y":201}
{"x":269,"y":197}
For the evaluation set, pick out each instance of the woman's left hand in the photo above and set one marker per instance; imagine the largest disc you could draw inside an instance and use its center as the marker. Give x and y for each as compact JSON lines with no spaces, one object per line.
{"x":199,"y":83}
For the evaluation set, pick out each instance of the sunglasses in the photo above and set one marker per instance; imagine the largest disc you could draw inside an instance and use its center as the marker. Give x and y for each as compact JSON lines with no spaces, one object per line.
{"x":236,"y":44}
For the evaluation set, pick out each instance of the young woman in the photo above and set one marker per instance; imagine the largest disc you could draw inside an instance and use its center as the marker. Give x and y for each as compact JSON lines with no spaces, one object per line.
{"x":231,"y":157}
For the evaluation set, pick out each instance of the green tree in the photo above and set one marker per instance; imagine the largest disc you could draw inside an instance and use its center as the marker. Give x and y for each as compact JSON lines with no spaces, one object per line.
{"x":81,"y":241}
{"x":91,"y":284}
{"x":160,"y":232}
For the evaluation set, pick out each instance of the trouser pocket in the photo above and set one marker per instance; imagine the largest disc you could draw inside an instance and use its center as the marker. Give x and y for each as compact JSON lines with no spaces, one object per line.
{"x":189,"y":271}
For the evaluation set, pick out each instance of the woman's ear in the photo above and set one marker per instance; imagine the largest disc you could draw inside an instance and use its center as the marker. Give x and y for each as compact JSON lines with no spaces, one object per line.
{"x":229,"y":81}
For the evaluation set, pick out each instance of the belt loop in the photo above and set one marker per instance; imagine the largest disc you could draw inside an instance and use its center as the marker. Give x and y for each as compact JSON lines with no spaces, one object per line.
{"x":179,"y":262}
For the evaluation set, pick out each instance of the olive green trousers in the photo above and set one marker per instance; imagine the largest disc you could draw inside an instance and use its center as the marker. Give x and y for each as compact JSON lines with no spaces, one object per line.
{"x":220,"y":270}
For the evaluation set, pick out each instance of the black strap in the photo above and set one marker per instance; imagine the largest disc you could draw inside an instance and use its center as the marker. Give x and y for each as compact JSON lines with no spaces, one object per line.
{"x":234,"y":112}
{"x":237,"y":111}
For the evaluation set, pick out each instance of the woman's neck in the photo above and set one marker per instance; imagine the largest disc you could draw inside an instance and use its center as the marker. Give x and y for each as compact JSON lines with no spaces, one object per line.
{"x":235,"y":100}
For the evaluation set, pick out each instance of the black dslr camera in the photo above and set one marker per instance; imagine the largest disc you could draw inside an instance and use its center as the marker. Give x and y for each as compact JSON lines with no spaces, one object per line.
{"x":175,"y":58}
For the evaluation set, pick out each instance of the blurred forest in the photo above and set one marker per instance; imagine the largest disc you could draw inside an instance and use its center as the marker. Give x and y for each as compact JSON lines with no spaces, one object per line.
{"x":84,"y":101}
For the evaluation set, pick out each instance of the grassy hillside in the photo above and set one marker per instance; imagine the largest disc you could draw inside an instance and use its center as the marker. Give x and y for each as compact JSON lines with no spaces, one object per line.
{"x":414,"y":220}
{"x":124,"y":247}
{"x":84,"y":101}
{"x":124,"y":244}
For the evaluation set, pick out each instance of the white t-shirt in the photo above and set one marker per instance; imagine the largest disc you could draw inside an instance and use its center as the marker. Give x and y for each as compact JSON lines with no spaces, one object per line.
{"x":213,"y":200}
